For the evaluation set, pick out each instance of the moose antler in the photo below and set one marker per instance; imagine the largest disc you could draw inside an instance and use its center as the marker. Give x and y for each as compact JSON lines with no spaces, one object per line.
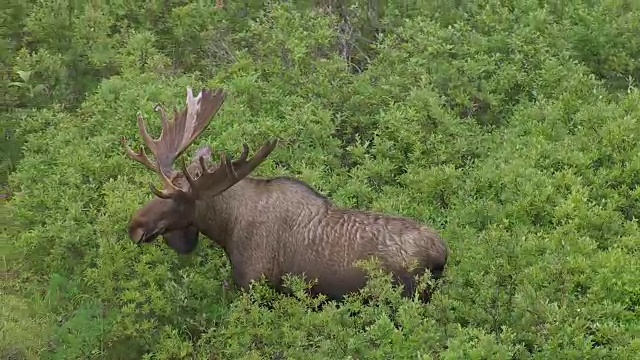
{"x":176,"y":136}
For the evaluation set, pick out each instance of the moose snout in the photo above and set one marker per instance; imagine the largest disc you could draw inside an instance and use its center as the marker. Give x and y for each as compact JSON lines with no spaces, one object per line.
{"x":140,"y":236}
{"x":136,"y":235}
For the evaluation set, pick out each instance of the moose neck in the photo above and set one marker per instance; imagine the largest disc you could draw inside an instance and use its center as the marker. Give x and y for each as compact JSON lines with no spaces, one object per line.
{"x":217,"y":215}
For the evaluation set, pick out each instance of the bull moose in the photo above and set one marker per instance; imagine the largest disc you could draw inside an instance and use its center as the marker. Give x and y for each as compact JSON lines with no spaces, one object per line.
{"x":269,"y":227}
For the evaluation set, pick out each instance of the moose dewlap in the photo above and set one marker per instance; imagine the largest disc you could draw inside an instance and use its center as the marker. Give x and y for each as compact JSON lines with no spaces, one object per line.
{"x":269,"y":227}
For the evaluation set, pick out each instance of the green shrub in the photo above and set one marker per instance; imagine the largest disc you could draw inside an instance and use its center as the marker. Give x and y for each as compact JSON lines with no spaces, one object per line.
{"x":487,"y":120}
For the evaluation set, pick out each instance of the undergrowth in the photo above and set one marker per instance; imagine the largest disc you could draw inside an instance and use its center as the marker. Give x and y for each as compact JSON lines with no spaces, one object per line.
{"x":510,"y":127}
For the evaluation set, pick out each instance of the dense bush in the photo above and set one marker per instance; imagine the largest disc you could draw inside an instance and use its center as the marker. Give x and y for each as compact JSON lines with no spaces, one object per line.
{"x":508,"y":126}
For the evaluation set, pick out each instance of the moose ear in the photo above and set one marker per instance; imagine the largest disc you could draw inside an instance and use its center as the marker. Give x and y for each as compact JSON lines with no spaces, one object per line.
{"x":183,"y":241}
{"x":204,"y":152}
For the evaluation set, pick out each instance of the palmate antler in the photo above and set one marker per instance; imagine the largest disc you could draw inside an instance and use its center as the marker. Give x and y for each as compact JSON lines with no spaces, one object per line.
{"x":176,"y":136}
{"x":228,"y":172}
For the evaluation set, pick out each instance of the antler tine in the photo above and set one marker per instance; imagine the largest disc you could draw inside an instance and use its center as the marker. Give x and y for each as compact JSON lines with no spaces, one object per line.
{"x":140,"y":157}
{"x":243,"y":156}
{"x":245,"y":167}
{"x":164,"y":118}
{"x":232,"y":176}
{"x":144,"y":133}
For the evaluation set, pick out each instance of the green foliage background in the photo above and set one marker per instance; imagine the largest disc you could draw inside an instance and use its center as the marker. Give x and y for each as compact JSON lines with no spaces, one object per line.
{"x":509,"y":126}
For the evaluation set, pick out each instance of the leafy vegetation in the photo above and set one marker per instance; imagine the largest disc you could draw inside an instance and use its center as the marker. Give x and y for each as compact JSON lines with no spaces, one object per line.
{"x":511,"y":127}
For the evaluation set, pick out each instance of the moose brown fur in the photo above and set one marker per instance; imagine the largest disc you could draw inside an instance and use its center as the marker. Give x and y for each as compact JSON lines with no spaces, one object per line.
{"x":272,"y":226}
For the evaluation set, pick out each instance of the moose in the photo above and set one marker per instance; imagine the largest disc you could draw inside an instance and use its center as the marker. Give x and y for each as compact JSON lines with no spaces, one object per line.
{"x":274,"y":226}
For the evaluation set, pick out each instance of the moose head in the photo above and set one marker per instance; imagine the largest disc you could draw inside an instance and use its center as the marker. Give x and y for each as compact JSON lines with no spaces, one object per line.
{"x":173,"y":213}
